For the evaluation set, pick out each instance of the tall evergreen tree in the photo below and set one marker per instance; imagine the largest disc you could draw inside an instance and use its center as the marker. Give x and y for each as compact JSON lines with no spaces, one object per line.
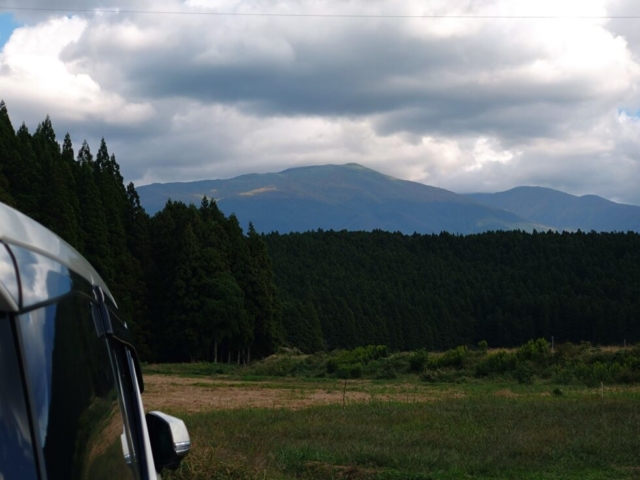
{"x":58,"y":196}
{"x":261,"y":297}
{"x":136,"y":222}
{"x":7,"y":154}
{"x":25,"y":173}
{"x":93,"y":219}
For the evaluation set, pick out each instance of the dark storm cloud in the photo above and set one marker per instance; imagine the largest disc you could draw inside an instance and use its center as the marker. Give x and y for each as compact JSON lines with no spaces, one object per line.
{"x":355,"y":71}
{"x":459,"y":85}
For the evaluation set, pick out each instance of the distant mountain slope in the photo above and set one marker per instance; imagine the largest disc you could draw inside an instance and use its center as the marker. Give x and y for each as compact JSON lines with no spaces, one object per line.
{"x":563,"y":211}
{"x":337,"y":197}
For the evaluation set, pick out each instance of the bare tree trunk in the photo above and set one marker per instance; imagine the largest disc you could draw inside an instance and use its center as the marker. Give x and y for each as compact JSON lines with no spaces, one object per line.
{"x":229,"y":356}
{"x":239,"y":352}
{"x":215,"y":351}
{"x":248,"y":355}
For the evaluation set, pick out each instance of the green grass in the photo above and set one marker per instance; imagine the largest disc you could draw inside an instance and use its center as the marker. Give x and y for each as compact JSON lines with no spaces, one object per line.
{"x":577,"y":436}
{"x":527,"y":413}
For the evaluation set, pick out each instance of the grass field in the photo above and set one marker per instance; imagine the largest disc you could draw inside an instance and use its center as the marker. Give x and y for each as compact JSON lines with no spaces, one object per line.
{"x":246,"y":426}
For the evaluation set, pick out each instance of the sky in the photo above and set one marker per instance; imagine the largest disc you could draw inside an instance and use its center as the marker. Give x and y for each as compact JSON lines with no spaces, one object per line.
{"x":467,"y":95}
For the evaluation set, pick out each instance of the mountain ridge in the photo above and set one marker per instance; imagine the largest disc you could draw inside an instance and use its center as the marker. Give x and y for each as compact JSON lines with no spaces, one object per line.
{"x":351,"y":197}
{"x":354,"y":197}
{"x":564,"y":211}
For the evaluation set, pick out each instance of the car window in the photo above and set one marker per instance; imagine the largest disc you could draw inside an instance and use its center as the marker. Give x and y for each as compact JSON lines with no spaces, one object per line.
{"x":76,"y":400}
{"x":8,"y":277}
{"x":16,"y":447}
{"x":41,"y":278}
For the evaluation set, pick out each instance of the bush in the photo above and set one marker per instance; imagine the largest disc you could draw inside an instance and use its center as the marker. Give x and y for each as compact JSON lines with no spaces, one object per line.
{"x":332,"y":365}
{"x":628,"y":375}
{"x":418,"y":360}
{"x":390,"y":367}
{"x":388,"y":372}
{"x":483,"y":346}
{"x":592,"y":375}
{"x":350,"y":363}
{"x":567,"y":352}
{"x":523,"y":373}
{"x":536,"y":351}
{"x":430,"y":376}
{"x":349,"y":371}
{"x":362,"y":355}
{"x":496,"y":364}
{"x":563,"y":376}
{"x":451,"y":358}
{"x":276,"y":367}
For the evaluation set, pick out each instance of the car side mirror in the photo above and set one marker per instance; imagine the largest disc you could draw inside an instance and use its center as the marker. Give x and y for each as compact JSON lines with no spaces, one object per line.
{"x":170,"y":441}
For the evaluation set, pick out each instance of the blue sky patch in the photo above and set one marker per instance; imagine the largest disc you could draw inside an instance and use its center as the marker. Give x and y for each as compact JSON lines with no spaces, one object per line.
{"x":629,"y":113}
{"x":7,"y":26}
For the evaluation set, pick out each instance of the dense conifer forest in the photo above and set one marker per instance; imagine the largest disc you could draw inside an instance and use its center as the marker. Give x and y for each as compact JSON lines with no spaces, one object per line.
{"x":195,"y":287}
{"x":439,"y":291}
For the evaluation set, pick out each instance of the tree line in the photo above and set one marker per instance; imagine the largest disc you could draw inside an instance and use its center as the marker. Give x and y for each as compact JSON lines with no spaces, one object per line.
{"x":194,"y":286}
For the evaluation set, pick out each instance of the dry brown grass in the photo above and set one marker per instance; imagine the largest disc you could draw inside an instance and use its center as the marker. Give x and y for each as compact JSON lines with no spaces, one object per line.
{"x":171,"y":392}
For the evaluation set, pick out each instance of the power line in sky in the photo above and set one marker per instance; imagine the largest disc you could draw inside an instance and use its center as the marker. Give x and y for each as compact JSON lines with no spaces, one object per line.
{"x":322,"y":15}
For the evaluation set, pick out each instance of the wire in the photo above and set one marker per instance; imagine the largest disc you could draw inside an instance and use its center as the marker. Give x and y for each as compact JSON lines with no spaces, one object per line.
{"x":328,"y":15}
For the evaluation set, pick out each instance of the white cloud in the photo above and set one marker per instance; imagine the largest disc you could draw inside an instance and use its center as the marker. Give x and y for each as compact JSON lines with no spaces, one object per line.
{"x":465,"y":104}
{"x":488,"y":150}
{"x":35,"y":79}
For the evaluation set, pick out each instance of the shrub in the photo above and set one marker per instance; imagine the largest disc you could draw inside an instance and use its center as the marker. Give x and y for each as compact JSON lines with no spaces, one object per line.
{"x":523,"y":373}
{"x":496,"y":364}
{"x":451,"y":358}
{"x":362,"y":354}
{"x":276,"y":367}
{"x":418,"y":360}
{"x":563,"y":376}
{"x":430,"y":376}
{"x":568,"y":351}
{"x":349,"y":371}
{"x":388,"y":372}
{"x":349,"y":363}
{"x":332,"y":365}
{"x":483,"y":346}
{"x":536,"y":351}
{"x":592,"y":375}
{"x":628,"y":375}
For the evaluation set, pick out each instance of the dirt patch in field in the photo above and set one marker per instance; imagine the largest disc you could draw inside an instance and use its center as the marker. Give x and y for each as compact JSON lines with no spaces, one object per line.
{"x":505,"y":392}
{"x":199,"y":394}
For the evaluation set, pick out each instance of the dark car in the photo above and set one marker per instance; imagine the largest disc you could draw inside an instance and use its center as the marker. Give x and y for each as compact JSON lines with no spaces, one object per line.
{"x":70,"y":381}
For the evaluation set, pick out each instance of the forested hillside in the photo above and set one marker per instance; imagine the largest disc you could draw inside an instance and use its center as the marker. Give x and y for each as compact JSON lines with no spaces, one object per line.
{"x":439,"y":291}
{"x":194,"y":287}
{"x":188,"y":281}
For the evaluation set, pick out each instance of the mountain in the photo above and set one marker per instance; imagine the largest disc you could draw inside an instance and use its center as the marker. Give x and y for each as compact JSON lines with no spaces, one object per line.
{"x":563,"y":211}
{"x":337,"y":197}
